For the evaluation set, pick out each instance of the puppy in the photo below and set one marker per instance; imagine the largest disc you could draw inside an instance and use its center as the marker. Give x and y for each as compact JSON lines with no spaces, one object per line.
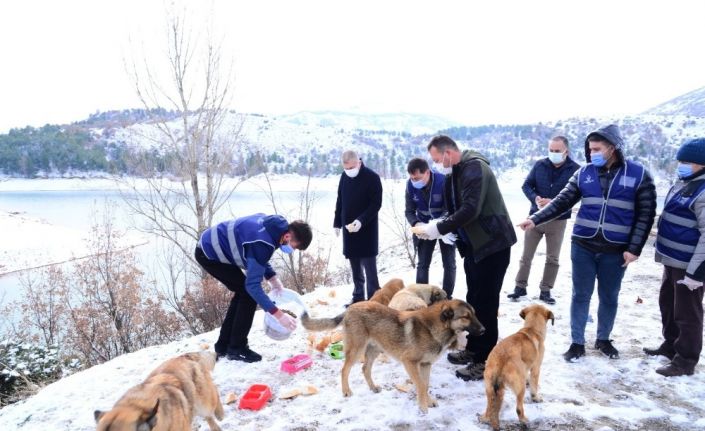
{"x":416,"y":296}
{"x":168,"y":399}
{"x":510,"y":362}
{"x":387,"y":292}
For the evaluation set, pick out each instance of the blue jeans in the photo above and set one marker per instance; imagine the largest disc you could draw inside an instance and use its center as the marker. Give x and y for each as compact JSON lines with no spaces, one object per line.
{"x":607,"y":268}
{"x":425,"y":252}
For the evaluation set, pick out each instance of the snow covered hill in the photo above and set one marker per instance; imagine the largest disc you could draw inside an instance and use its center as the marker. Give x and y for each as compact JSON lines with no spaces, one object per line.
{"x":690,"y":104}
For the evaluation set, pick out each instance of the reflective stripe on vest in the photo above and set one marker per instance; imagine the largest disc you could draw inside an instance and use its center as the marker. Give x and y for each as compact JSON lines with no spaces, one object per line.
{"x":225,"y":242}
{"x":678,"y":232}
{"x":433,"y":208}
{"x":614,"y":215}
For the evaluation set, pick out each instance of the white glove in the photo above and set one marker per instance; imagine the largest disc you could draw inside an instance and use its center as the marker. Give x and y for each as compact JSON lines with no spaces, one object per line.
{"x":354,"y":226}
{"x":449,"y":238}
{"x":285,"y":320}
{"x":337,"y":232}
{"x":430,"y":231}
{"x":276,"y":284}
{"x":690,"y":283}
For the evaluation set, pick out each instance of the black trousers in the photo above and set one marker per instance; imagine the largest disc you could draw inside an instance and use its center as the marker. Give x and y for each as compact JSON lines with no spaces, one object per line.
{"x":425,"y":249}
{"x":682,"y":318}
{"x":369,"y":264}
{"x":238,"y":319}
{"x":484,"y":280}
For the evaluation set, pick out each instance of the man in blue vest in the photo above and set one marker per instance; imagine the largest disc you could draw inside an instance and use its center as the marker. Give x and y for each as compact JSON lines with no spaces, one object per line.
{"x":680,"y":247}
{"x":548,"y":176}
{"x":618,"y":205}
{"x":424,"y":201}
{"x":237,"y":253}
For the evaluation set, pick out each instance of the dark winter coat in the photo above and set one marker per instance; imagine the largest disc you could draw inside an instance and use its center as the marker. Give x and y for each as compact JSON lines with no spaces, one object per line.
{"x":644,"y":202}
{"x":359,"y":198}
{"x":476,"y":208}
{"x":547,"y":180}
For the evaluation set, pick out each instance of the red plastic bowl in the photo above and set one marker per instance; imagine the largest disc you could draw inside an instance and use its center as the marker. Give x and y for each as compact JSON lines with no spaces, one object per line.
{"x":256,"y":397}
{"x":296,"y":364}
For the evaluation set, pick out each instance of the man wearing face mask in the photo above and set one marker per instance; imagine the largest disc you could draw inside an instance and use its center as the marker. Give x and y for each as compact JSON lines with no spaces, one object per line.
{"x":477,"y":214}
{"x":547,"y":177}
{"x":424,"y":202}
{"x":237,"y":253}
{"x":618,"y":205}
{"x":680,"y":247}
{"x":359,"y":200}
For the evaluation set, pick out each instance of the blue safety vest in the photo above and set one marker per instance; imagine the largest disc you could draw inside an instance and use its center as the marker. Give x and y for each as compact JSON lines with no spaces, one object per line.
{"x":614,"y":215}
{"x":433,"y":208}
{"x":225,"y":241}
{"x":678,"y":232}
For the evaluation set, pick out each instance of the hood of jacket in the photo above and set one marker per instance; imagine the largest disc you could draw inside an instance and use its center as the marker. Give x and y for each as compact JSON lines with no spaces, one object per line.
{"x":612,"y":135}
{"x":276,"y":226}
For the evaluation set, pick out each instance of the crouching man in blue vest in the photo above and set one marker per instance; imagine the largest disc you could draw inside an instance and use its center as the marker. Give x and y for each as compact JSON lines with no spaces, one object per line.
{"x":424,"y":201}
{"x":680,"y":247}
{"x":237,"y":253}
{"x":618,"y":205}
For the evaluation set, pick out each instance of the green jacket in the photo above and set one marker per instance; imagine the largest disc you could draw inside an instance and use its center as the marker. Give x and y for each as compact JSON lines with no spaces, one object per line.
{"x":476,"y":208}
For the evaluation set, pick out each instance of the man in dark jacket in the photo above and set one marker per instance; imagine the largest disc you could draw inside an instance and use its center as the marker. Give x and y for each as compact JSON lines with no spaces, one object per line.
{"x":548,"y":177}
{"x":680,"y":247}
{"x":618,"y":205}
{"x":242,"y":246}
{"x":478,"y":216}
{"x":359,"y":201}
{"x":424,"y":202}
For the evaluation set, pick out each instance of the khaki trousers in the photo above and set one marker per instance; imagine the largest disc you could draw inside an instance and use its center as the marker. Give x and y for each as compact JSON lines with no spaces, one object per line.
{"x":553,"y":231}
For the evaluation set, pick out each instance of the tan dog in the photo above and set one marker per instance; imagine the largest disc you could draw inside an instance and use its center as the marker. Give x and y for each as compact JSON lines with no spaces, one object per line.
{"x":415,"y":296}
{"x":510,"y":362}
{"x":385,"y":294}
{"x":168,"y":399}
{"x":415,"y":338}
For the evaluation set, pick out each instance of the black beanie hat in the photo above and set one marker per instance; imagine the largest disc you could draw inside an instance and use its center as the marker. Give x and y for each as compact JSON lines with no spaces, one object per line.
{"x":693,"y":151}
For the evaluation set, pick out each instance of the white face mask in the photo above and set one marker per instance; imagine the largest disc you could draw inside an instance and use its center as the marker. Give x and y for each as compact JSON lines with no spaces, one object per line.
{"x":438,"y":167}
{"x":555,"y":158}
{"x":352,"y":173}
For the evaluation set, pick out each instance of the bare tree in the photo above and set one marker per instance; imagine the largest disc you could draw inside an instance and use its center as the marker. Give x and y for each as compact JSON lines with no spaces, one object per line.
{"x":197,"y":148}
{"x":395,"y":220}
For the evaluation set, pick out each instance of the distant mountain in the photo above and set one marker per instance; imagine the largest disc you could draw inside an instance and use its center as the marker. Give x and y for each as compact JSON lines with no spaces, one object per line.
{"x":690,"y":104}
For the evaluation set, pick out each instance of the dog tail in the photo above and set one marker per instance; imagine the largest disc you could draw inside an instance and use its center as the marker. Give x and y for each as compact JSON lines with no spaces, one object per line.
{"x":321,"y":324}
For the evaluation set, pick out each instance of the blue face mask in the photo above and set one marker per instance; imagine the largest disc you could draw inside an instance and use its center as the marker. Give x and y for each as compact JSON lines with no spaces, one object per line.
{"x":286,"y":248}
{"x":598,"y":159}
{"x":684,"y":170}
{"x":418,"y":184}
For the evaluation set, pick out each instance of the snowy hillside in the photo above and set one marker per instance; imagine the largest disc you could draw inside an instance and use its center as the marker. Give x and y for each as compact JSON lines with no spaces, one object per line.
{"x":689,"y":104}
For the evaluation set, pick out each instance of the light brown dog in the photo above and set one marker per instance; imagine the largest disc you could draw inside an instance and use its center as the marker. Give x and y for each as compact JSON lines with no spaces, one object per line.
{"x":385,"y":293}
{"x":510,"y":362}
{"x":168,"y":399}
{"x":415,"y":338}
{"x":416,"y":296}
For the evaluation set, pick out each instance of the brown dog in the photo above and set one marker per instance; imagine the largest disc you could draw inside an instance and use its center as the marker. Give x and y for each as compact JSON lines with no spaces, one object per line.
{"x":168,"y":399}
{"x":385,"y":294}
{"x":510,"y":362}
{"x":415,"y":338}
{"x":415,"y":296}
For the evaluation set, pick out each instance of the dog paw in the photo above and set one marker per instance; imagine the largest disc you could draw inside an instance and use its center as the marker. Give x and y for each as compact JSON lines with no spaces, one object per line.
{"x":432,"y":402}
{"x":347,"y":393}
{"x":537,"y":398}
{"x":376,"y":389}
{"x":483,"y":419}
{"x":424,"y":409}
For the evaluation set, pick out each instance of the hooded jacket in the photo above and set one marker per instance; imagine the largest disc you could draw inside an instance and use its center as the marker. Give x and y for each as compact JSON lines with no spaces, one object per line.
{"x":476,"y":208}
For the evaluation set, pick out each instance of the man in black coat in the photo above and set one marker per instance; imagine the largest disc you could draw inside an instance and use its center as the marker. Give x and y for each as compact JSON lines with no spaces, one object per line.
{"x":359,"y":201}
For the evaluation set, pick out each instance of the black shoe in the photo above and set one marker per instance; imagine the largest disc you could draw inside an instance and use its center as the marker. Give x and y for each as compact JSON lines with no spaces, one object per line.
{"x":606,"y":347}
{"x":474,"y":371}
{"x":673,"y":370}
{"x":460,"y":357}
{"x":219,"y":355}
{"x":518,"y":292}
{"x":545,"y":296}
{"x":660,"y":351}
{"x":574,"y":352}
{"x":354,"y":301}
{"x":244,"y":354}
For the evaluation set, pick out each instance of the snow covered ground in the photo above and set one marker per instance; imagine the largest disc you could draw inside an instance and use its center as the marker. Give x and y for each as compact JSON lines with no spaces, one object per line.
{"x":594,"y":393}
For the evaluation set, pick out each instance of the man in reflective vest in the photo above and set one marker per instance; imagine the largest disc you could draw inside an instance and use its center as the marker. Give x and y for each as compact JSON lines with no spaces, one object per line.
{"x":618,"y":205}
{"x":425,"y":202}
{"x":680,"y":247}
{"x":237,"y":253}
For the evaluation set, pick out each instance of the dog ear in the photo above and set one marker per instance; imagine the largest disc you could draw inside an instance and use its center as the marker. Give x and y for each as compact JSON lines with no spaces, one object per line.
{"x":549,"y":315}
{"x":152,"y":418}
{"x":447,"y":313}
{"x":97,"y":415}
{"x":522,"y":313}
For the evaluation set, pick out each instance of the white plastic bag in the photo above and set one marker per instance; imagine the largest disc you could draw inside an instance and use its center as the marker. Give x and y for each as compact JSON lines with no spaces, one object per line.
{"x":285,"y":299}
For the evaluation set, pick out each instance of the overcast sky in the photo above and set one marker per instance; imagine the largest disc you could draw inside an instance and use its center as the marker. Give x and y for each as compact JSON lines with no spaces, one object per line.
{"x":475,"y":62}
